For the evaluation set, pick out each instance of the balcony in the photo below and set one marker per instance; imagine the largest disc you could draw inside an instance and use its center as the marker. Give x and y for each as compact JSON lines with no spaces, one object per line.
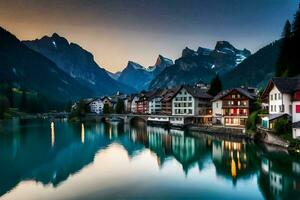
{"x":240,"y":104}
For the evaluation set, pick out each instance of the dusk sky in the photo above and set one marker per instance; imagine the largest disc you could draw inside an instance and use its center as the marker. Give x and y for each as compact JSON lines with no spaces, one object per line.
{"x":116,"y":31}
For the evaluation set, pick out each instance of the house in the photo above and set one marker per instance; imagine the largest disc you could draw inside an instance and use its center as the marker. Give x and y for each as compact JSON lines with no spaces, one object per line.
{"x":155,"y":102}
{"x":233,"y":106}
{"x":107,"y":100}
{"x":166,"y":101}
{"x":192,"y":102}
{"x":134,"y":100}
{"x":283,"y":98}
{"x":142,"y":105}
{"x":96,"y":106}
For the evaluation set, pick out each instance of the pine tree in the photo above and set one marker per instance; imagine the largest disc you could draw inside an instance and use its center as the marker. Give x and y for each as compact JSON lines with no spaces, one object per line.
{"x":120,"y":108}
{"x":215,"y":86}
{"x":296,"y":24}
{"x":282,"y":64}
{"x":294,"y":68}
{"x":24,"y":103}
{"x":10,"y":95}
{"x":106,"y":109}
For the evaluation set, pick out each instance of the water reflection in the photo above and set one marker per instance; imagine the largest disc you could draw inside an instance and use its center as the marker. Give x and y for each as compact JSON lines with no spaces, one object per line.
{"x":52,"y":134}
{"x":26,"y":155}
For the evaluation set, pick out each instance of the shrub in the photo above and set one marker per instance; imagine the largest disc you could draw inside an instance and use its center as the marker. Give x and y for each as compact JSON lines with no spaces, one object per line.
{"x":252,"y":121}
{"x":282,"y":126}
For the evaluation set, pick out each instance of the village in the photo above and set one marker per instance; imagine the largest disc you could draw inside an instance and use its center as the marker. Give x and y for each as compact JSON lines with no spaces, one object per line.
{"x":275,"y":108}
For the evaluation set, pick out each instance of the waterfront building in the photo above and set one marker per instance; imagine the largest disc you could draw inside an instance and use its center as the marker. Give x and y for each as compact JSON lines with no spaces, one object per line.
{"x":155,"y":102}
{"x":134,"y":100}
{"x":166,"y":102}
{"x":193,"y":102}
{"x":96,"y":106}
{"x":108,"y":101}
{"x":283,"y":98}
{"x":232,"y":107}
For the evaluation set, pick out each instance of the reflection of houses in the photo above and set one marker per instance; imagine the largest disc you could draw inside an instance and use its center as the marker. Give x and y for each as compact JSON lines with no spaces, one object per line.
{"x":231,"y":159}
{"x":279,"y":180}
{"x":232,"y":107}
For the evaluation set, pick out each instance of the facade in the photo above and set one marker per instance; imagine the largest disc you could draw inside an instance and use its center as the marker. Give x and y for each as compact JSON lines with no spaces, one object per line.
{"x":142,"y":105}
{"x":96,"y":106}
{"x":283,"y":98}
{"x":134,"y":104}
{"x":232,"y":107}
{"x":166,"y":102}
{"x":191,"y":101}
{"x":155,"y":105}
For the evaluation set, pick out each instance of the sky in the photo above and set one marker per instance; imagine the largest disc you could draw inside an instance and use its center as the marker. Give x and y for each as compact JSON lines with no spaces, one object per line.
{"x":117,"y":31}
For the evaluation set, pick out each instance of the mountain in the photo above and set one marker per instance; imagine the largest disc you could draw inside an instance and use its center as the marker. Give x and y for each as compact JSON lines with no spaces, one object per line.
{"x":140,"y":77}
{"x":114,"y":75}
{"x":255,"y":70}
{"x":78,"y":63}
{"x":24,"y":67}
{"x":201,"y":65}
{"x":136,"y":76}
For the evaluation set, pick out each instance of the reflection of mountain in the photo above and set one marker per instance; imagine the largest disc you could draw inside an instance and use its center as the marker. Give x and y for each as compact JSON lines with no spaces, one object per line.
{"x":30,"y":155}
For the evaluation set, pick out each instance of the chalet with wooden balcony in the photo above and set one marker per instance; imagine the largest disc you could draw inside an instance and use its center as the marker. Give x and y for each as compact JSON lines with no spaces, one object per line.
{"x":232,"y":107}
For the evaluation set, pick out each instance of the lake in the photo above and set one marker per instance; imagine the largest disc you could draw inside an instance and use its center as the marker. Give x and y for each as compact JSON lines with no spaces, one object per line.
{"x":40,"y":160}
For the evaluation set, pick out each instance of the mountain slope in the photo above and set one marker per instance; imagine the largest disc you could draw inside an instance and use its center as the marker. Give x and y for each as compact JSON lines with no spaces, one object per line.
{"x":136,"y":76}
{"x":140,"y":77}
{"x":78,"y":63}
{"x":23,"y":67}
{"x":255,"y":70}
{"x":201,"y":65}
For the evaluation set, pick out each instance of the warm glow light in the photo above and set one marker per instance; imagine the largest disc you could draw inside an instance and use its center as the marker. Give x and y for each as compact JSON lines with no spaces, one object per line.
{"x":233,"y":168}
{"x":52,"y":134}
{"x":82,"y":133}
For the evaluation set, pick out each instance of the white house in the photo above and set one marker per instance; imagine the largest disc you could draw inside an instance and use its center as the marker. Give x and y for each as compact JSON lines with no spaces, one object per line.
{"x":155,"y":104}
{"x":283,"y":98}
{"x":191,"y":101}
{"x":134,"y":104}
{"x":96,"y":106}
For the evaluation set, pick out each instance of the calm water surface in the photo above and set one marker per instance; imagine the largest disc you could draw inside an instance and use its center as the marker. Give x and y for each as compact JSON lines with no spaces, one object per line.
{"x":116,"y":161}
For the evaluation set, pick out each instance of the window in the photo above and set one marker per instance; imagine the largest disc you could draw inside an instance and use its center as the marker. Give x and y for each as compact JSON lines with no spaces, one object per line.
{"x":275,"y":96}
{"x":297,"y":108}
{"x":271,"y":96}
{"x":271,"y":108}
{"x":233,"y":96}
{"x":279,"y":96}
{"x":238,"y":96}
{"x":275,"y":108}
{"x":190,"y":98}
{"x":217,"y":105}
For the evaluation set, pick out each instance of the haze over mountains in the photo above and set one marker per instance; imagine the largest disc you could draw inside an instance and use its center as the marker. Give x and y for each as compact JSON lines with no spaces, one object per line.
{"x":62,"y":70}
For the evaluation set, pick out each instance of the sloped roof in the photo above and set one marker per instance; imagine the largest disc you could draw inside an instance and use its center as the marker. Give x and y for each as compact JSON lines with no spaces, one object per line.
{"x":284,"y":85}
{"x":195,"y":92}
{"x":240,"y":90}
{"x":296,"y":124}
